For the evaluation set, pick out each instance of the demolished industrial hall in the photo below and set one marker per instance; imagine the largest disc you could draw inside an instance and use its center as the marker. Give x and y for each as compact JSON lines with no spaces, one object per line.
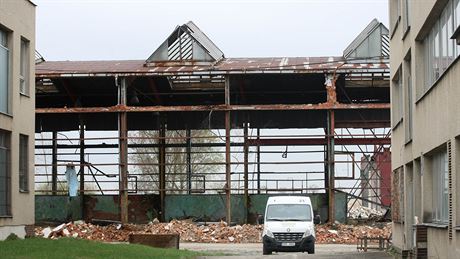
{"x":190,"y":133}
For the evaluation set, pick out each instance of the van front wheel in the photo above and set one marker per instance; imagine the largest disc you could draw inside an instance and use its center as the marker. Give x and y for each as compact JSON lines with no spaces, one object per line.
{"x":266,"y":251}
{"x":311,"y":248}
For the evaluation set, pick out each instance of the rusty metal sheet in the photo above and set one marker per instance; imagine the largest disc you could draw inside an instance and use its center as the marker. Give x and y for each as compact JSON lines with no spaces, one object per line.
{"x":318,"y":141}
{"x":280,"y":65}
{"x":223,"y":107}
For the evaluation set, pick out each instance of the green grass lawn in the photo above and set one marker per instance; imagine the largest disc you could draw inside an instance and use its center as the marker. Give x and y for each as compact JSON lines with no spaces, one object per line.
{"x":67,"y":248}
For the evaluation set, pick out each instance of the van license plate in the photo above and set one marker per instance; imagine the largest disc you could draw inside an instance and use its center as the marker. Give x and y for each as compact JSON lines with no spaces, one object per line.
{"x":287,"y":244}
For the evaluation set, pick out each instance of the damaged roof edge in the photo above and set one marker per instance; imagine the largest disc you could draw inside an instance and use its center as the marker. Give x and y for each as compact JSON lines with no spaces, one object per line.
{"x":226,"y":66}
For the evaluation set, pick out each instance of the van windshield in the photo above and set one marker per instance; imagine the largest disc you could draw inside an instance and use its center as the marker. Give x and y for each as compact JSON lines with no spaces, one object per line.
{"x":289,"y":212}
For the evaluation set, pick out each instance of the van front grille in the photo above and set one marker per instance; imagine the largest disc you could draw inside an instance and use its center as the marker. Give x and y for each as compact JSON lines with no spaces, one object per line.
{"x":288,"y":236}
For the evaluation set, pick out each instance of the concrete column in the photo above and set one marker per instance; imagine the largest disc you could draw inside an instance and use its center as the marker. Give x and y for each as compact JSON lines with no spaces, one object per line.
{"x":82,"y":157}
{"x":331,"y":165}
{"x":246,"y":170}
{"x":258,"y":161}
{"x":54,"y":169}
{"x":189,"y":160}
{"x":330,"y":152}
{"x":227,"y":152}
{"x":123,"y":153}
{"x":162,"y":167}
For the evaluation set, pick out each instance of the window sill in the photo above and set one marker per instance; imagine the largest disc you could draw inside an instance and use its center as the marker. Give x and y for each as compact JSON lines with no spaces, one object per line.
{"x":434,"y":225}
{"x":397,"y":124}
{"x":405,"y":33}
{"x":408,"y":142}
{"x":437,"y":81}
{"x":7,"y":114}
{"x":6,"y":217}
{"x":24,"y":191}
{"x":395,"y":27}
{"x":457,"y":228}
{"x":24,"y":95}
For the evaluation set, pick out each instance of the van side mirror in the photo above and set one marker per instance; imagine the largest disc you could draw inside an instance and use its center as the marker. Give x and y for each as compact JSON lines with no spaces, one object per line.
{"x":260,"y":219}
{"x":317,"y":219}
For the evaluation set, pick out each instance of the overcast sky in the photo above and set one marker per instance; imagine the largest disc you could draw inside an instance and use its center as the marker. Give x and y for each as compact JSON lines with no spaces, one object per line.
{"x":133,"y":29}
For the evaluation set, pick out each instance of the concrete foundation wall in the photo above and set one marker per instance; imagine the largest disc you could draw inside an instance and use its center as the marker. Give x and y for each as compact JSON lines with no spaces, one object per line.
{"x":19,"y":231}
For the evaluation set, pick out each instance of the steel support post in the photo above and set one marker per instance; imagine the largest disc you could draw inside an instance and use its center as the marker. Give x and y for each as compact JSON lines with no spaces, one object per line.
{"x":246,"y":170}
{"x":162,"y":167}
{"x":123,"y":152}
{"x":331,"y":165}
{"x":227,"y":153}
{"x":189,"y":160}
{"x":258,"y":161}
{"x":82,"y":157}
{"x":54,"y":170}
{"x":326,"y":165}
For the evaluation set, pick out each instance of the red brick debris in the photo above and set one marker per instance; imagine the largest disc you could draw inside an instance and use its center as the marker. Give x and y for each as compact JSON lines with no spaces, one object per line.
{"x":210,"y":233}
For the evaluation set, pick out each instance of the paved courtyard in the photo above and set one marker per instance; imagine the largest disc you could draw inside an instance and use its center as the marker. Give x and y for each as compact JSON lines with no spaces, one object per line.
{"x":254,"y":250}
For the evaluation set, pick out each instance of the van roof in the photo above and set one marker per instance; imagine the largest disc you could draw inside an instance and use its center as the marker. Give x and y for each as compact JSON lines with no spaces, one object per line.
{"x":289,"y":200}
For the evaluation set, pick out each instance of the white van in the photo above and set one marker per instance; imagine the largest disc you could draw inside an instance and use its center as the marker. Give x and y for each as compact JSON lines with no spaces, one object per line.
{"x":289,"y":225}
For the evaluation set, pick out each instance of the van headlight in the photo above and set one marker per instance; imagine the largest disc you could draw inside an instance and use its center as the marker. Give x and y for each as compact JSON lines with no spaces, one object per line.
{"x":307,"y":233}
{"x":267,"y":233}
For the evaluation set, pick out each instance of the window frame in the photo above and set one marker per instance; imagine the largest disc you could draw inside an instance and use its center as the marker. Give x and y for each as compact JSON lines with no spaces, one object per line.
{"x":397,"y":97}
{"x":408,"y":93}
{"x":438,"y":41}
{"x":440,"y":187}
{"x":4,"y":44}
{"x":405,"y":18}
{"x":395,"y":16}
{"x":24,"y":67}
{"x":23,"y":163}
{"x":5,"y":144}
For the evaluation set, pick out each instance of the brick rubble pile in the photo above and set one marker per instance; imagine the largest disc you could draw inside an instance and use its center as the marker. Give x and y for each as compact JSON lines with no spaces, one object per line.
{"x":349,"y":234}
{"x":210,"y":233}
{"x":359,"y":212}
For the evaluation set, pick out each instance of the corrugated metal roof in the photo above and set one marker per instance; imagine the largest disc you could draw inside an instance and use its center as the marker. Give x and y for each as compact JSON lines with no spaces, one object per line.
{"x":225,"y":66}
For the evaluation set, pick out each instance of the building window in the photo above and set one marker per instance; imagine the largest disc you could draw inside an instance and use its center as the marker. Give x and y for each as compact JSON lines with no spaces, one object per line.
{"x":456,"y":169}
{"x":24,"y":69}
{"x":440,"y":50}
{"x":395,"y":15}
{"x":405,"y":16}
{"x":408,"y":104}
{"x":23,"y":163}
{"x":440,"y":187}
{"x":4,"y":70}
{"x":397,"y":98}
{"x":5,"y":178}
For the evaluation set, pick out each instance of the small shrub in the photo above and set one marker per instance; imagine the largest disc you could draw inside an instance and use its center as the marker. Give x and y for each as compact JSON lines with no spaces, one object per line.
{"x":12,"y":237}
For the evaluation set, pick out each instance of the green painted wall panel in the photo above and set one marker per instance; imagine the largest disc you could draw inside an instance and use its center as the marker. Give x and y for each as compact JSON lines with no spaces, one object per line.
{"x":57,"y":208}
{"x":340,"y":207}
{"x":106,"y":204}
{"x":200,"y":207}
{"x":203,"y":207}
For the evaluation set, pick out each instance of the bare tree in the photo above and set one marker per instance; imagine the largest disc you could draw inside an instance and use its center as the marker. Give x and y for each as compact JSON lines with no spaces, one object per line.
{"x":204,"y":160}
